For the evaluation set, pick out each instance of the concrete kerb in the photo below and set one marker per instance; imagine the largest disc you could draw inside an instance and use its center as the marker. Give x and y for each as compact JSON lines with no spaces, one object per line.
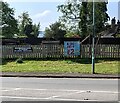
{"x":57,"y":75}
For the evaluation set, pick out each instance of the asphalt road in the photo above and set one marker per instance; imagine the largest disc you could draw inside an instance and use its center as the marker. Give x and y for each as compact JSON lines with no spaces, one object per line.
{"x":59,"y":89}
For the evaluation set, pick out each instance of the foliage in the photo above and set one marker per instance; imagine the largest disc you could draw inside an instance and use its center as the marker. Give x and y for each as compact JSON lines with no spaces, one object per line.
{"x":83,"y":19}
{"x":25,"y":20}
{"x":101,"y":16}
{"x":8,"y":22}
{"x":72,"y":34}
{"x":12,"y":27}
{"x":78,"y":14}
{"x":19,"y":60}
{"x":36,"y":28}
{"x":55,"y":31}
{"x":118,"y":35}
{"x":71,"y":12}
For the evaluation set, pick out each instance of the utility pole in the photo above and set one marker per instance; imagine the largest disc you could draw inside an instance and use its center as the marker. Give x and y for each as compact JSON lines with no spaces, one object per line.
{"x":93,"y":40}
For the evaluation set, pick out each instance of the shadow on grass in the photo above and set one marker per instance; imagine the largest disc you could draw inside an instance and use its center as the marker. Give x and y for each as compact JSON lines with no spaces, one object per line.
{"x":5,"y":61}
{"x":89,"y":61}
{"x":68,"y":60}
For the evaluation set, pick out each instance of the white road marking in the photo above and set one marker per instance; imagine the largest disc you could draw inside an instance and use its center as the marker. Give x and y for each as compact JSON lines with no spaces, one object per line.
{"x":66,"y":94}
{"x":17,"y":89}
{"x":62,"y":90}
{"x":6,"y":90}
{"x":22,"y":89}
{"x":21,"y":97}
{"x":53,"y":97}
{"x":9,"y":89}
{"x":39,"y":89}
{"x":32,"y":98}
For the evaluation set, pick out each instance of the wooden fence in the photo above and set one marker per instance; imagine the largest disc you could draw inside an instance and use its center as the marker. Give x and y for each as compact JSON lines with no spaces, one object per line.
{"x":57,"y":51}
{"x":101,"y":51}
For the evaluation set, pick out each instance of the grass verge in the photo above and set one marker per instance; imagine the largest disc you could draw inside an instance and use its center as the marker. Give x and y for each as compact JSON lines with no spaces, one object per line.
{"x":62,"y":66}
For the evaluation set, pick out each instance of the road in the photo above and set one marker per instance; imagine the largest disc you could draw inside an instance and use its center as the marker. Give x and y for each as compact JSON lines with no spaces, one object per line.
{"x":59,"y":89}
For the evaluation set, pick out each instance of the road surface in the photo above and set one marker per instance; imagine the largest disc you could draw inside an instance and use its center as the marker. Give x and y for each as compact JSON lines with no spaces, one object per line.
{"x":59,"y":89}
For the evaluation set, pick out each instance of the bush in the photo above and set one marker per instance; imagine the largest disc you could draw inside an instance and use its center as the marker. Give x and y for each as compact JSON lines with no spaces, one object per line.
{"x":69,"y":61}
{"x":19,"y":60}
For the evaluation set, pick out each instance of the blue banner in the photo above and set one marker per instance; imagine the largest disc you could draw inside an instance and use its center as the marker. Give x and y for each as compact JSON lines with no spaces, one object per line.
{"x":71,"y":48}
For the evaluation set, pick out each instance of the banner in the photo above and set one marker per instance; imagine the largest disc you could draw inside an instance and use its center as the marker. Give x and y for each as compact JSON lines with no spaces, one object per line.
{"x":22,"y":49}
{"x":71,"y":48}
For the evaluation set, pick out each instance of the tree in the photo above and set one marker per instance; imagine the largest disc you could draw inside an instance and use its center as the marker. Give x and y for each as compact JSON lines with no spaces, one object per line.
{"x":83,"y":19}
{"x":72,"y":34}
{"x":82,"y":13}
{"x":71,"y":12}
{"x":55,"y":31}
{"x":9,"y":23}
{"x":36,"y":28}
{"x":24,"y":21}
{"x":101,"y":16}
{"x":28,"y":30}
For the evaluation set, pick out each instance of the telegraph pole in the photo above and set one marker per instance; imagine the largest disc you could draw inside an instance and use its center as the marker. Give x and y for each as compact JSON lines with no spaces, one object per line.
{"x":93,"y":40}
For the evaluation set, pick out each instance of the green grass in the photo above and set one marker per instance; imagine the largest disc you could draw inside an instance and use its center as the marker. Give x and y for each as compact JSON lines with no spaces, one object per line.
{"x":61,"y":66}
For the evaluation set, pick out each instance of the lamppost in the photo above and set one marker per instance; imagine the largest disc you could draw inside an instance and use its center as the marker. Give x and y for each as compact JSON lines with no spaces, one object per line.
{"x":93,"y":40}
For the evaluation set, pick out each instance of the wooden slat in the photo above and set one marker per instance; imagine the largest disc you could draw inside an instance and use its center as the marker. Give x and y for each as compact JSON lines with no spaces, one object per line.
{"x":57,"y":51}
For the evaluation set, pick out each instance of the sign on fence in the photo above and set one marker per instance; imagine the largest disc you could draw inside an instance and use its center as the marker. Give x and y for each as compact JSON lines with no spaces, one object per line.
{"x":22,"y":49}
{"x":71,"y":48}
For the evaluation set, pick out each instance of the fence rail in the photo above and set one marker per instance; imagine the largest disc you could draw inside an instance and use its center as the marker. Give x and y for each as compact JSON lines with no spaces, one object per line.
{"x":57,"y":51}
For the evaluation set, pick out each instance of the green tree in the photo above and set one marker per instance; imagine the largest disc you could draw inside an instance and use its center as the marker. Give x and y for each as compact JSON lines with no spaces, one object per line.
{"x":82,"y":15}
{"x":8,"y":22}
{"x":71,"y":12}
{"x":83,"y":19}
{"x":36,"y":28}
{"x":73,"y":34}
{"x":24,"y":19}
{"x":101,"y":16}
{"x":55,"y":31}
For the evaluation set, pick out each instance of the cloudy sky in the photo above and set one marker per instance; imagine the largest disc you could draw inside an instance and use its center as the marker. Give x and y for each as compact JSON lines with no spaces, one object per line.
{"x":45,"y":11}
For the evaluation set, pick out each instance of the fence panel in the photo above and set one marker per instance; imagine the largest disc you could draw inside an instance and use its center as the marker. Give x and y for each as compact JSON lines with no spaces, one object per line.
{"x":107,"y":51}
{"x":57,"y":51}
{"x":37,"y":51}
{"x":86,"y":51}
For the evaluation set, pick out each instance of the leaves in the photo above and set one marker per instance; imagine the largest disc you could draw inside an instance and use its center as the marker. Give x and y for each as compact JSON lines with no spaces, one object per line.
{"x":36,"y":28}
{"x":55,"y":31}
{"x":9,"y":23}
{"x":70,"y":11}
{"x":79,"y":15}
{"x":24,"y":20}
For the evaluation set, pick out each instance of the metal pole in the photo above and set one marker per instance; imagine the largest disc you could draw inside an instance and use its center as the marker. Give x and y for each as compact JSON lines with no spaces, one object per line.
{"x":93,"y":40}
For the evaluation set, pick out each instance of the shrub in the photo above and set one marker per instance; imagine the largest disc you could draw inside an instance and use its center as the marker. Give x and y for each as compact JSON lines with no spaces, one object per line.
{"x":19,"y":60}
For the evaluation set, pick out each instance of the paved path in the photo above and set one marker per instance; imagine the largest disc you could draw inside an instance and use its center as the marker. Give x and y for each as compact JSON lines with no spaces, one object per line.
{"x":65,"y":89}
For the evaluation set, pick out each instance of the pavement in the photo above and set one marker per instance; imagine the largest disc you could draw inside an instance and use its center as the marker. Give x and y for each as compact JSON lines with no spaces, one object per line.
{"x":58,"y":75}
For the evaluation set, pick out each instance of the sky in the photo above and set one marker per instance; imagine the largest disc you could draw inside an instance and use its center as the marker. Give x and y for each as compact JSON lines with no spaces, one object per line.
{"x":119,"y":11}
{"x":45,"y":11}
